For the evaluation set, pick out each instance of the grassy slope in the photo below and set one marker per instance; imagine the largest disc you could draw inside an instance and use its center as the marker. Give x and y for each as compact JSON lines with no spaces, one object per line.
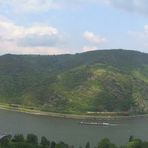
{"x":107,"y":80}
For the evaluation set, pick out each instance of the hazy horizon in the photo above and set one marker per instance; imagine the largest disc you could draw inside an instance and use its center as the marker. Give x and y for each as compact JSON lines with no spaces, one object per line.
{"x":69,"y":53}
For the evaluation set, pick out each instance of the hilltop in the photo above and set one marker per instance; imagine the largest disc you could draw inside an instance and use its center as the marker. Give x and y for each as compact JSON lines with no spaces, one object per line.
{"x":95,"y":81}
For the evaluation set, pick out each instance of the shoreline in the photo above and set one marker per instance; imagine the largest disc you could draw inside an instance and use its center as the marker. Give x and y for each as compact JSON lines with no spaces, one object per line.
{"x":66,"y":116}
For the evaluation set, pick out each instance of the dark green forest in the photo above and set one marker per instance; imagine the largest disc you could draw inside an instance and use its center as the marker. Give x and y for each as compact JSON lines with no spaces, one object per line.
{"x":96,"y":81}
{"x":32,"y":141}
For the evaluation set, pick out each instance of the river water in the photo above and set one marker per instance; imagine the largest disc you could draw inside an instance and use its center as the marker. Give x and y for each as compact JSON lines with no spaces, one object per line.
{"x":71,"y":131}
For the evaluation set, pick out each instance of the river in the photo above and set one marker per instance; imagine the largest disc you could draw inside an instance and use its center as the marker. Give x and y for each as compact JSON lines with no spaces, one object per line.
{"x":70,"y":131}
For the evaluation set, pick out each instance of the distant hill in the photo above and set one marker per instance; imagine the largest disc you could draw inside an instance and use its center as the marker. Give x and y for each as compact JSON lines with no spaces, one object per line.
{"x":103,"y":80}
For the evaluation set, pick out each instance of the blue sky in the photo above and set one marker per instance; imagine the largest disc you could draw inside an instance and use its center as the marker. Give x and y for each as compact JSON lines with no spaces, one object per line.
{"x":71,"y":26}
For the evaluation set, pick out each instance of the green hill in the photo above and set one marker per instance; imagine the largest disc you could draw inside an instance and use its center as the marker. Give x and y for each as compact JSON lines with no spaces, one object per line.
{"x":104,"y":80}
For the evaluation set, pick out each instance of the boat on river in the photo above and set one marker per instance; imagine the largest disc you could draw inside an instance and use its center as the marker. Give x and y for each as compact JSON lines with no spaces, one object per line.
{"x":95,"y":123}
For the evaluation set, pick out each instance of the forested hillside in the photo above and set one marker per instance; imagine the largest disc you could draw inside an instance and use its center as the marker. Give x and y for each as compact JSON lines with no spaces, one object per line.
{"x":104,"y":80}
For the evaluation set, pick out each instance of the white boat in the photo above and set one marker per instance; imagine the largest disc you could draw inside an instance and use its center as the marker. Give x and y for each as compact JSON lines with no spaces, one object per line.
{"x":105,"y":123}
{"x":95,"y":123}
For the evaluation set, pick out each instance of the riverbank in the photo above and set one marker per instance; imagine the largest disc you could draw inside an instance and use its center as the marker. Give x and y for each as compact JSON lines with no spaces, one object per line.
{"x":19,"y":108}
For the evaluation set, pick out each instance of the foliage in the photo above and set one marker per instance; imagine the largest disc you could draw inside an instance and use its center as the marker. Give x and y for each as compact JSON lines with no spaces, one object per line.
{"x":105,"y":80}
{"x":9,"y":142}
{"x":44,"y":142}
{"x":105,"y":143}
{"x":136,"y":143}
{"x":87,"y":145}
{"x":18,"y":138}
{"x":32,"y":139}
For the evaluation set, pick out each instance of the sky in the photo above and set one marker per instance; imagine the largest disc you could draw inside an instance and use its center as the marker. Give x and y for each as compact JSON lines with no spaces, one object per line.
{"x":72,"y":26}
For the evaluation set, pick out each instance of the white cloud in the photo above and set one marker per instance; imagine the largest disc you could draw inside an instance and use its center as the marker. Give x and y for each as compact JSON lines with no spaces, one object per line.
{"x":41,"y":5}
{"x":137,"y":6}
{"x":9,"y":30}
{"x":41,"y":39}
{"x":12,"y":47}
{"x":89,"y":48}
{"x":91,"y":37}
{"x":30,"y":5}
{"x":35,"y":40}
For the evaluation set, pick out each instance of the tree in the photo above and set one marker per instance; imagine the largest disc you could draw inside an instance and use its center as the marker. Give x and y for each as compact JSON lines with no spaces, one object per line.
{"x":21,"y":145}
{"x":145,"y":144}
{"x":31,"y":138}
{"x":44,"y":141}
{"x":62,"y":145}
{"x":5,"y":141}
{"x":18,"y":138}
{"x":105,"y":143}
{"x":136,"y":143}
{"x":87,"y":145}
{"x":53,"y":144}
